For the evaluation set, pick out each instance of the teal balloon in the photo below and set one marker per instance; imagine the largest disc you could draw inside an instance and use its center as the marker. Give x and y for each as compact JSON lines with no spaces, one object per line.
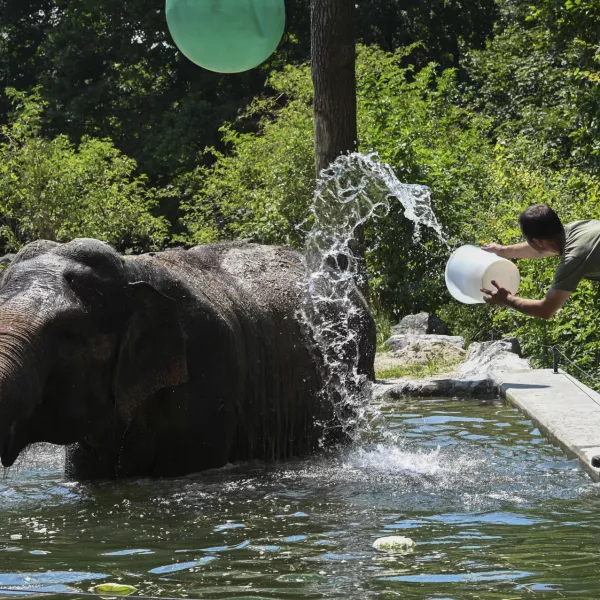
{"x":227,"y":36}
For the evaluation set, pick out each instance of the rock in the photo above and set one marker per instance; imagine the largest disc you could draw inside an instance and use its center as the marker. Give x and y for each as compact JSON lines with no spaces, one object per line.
{"x":485,"y":357}
{"x":402,"y":340}
{"x":385,"y":361}
{"x":473,"y":378}
{"x":433,"y":387}
{"x":424,"y":352}
{"x":394,"y":543}
{"x":512,"y":345}
{"x":423,"y":323}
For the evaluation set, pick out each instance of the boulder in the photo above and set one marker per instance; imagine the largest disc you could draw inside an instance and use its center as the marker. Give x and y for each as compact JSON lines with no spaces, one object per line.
{"x":485,"y":357}
{"x":399,"y":341}
{"x":422,"y":323}
{"x":425,"y":351}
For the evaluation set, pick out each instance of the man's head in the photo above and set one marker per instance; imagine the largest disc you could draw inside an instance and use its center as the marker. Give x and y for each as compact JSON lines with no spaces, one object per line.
{"x":542,"y":228}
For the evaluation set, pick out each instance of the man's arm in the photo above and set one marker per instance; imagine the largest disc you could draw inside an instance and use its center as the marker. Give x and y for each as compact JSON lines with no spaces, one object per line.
{"x":523,"y":250}
{"x":545,"y":308}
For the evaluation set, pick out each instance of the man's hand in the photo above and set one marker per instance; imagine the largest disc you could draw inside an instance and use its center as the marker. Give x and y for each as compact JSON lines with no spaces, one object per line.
{"x":544,"y":309}
{"x":494,"y":249}
{"x":497,"y":297}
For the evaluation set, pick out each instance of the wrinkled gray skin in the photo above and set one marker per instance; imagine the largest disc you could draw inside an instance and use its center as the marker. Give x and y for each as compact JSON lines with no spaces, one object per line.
{"x":161,"y":364}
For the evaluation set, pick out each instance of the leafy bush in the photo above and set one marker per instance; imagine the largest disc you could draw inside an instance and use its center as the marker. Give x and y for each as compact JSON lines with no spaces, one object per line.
{"x":262,"y":188}
{"x":521,"y":180}
{"x":54,"y":190}
{"x":416,"y":122}
{"x":539,"y":77}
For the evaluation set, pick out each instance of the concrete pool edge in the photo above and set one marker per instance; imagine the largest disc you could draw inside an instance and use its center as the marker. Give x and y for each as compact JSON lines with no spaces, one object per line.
{"x":565,"y":410}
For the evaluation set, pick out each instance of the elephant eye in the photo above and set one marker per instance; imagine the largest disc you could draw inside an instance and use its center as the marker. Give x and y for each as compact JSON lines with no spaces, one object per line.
{"x":69,"y":333}
{"x":85,"y":285}
{"x":69,"y":344}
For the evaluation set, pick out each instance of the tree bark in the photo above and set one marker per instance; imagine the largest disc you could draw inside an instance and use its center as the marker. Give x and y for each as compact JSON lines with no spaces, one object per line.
{"x":333,"y":60}
{"x":333,"y":63}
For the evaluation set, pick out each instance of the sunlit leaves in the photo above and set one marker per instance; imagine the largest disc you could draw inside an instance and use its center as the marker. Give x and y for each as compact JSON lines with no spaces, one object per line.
{"x":52,"y":189}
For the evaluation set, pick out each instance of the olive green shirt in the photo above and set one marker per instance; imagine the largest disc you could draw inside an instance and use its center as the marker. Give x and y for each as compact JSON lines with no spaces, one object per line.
{"x":581,"y":257}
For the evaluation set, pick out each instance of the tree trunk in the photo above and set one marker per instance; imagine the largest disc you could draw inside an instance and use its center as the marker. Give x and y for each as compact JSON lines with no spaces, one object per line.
{"x":333,"y":58}
{"x":333,"y":63}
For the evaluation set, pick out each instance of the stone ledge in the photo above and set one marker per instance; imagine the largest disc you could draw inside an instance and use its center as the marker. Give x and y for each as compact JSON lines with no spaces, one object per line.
{"x":433,"y":387}
{"x":565,"y":410}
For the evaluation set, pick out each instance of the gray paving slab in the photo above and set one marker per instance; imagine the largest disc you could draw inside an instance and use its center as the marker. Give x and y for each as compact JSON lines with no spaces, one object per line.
{"x":563,"y":408}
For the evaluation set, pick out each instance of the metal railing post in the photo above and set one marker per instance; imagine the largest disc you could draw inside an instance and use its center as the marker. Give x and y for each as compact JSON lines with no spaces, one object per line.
{"x":555,"y":360}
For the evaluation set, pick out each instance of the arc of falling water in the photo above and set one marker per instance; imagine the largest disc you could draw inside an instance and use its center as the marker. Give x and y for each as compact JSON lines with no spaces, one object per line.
{"x":352,"y":190}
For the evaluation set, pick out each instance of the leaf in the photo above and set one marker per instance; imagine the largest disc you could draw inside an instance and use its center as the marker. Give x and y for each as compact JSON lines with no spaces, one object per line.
{"x":114,"y":588}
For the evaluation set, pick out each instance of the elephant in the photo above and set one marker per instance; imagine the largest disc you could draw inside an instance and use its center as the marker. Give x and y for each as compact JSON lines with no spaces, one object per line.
{"x":165,"y":363}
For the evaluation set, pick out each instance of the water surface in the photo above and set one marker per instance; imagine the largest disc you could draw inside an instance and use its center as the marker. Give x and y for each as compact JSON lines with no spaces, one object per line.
{"x":496,"y":511}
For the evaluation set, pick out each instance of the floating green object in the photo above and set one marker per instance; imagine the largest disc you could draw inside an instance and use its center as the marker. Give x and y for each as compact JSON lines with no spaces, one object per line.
{"x":116,"y":589}
{"x":227,"y":36}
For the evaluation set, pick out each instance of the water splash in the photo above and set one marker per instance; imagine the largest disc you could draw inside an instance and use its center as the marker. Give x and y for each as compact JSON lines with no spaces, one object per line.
{"x":353,"y":190}
{"x":36,"y":457}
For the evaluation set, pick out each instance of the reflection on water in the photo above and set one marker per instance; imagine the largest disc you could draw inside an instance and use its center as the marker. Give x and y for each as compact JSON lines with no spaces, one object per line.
{"x":495,"y":510}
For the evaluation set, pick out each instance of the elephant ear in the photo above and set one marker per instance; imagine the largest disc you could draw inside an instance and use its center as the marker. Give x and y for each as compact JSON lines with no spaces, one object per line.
{"x":152,"y":353}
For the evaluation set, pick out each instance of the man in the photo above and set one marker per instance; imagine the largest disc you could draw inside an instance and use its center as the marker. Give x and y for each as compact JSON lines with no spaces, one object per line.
{"x":578,"y":245}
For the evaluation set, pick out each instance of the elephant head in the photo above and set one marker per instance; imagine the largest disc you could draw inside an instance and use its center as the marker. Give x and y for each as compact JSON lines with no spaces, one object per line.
{"x":81,"y":345}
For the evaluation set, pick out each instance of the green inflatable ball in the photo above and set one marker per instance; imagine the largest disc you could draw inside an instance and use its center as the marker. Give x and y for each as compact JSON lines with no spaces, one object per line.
{"x":227,"y":36}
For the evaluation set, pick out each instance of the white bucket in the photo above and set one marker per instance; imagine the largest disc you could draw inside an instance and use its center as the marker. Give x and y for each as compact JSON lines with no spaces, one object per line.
{"x":470,"y":268}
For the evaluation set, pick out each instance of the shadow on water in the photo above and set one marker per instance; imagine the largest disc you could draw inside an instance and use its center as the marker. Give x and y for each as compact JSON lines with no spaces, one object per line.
{"x":523,"y":386}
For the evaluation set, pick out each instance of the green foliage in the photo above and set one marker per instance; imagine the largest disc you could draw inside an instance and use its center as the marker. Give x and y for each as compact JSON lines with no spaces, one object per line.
{"x":261,"y":189}
{"x":539,"y":77}
{"x":426,"y":124}
{"x":415,"y":371}
{"x":383,"y":325}
{"x":522,"y":179}
{"x":53,"y":190}
{"x":538,"y":82}
{"x":445,"y":28}
{"x":109,"y":69}
{"x":416,"y":123}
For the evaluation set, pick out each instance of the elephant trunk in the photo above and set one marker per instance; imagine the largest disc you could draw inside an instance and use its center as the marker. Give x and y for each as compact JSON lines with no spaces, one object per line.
{"x":21,"y":379}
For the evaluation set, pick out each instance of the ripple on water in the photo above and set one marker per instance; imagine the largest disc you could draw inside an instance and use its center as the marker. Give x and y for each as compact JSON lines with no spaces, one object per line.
{"x":499,"y":513}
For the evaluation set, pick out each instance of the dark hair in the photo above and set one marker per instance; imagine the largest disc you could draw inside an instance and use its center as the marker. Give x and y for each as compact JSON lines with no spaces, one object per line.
{"x":541,"y":222}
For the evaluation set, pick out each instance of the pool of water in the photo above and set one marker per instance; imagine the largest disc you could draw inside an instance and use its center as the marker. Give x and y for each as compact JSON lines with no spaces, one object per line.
{"x":496,"y":511}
